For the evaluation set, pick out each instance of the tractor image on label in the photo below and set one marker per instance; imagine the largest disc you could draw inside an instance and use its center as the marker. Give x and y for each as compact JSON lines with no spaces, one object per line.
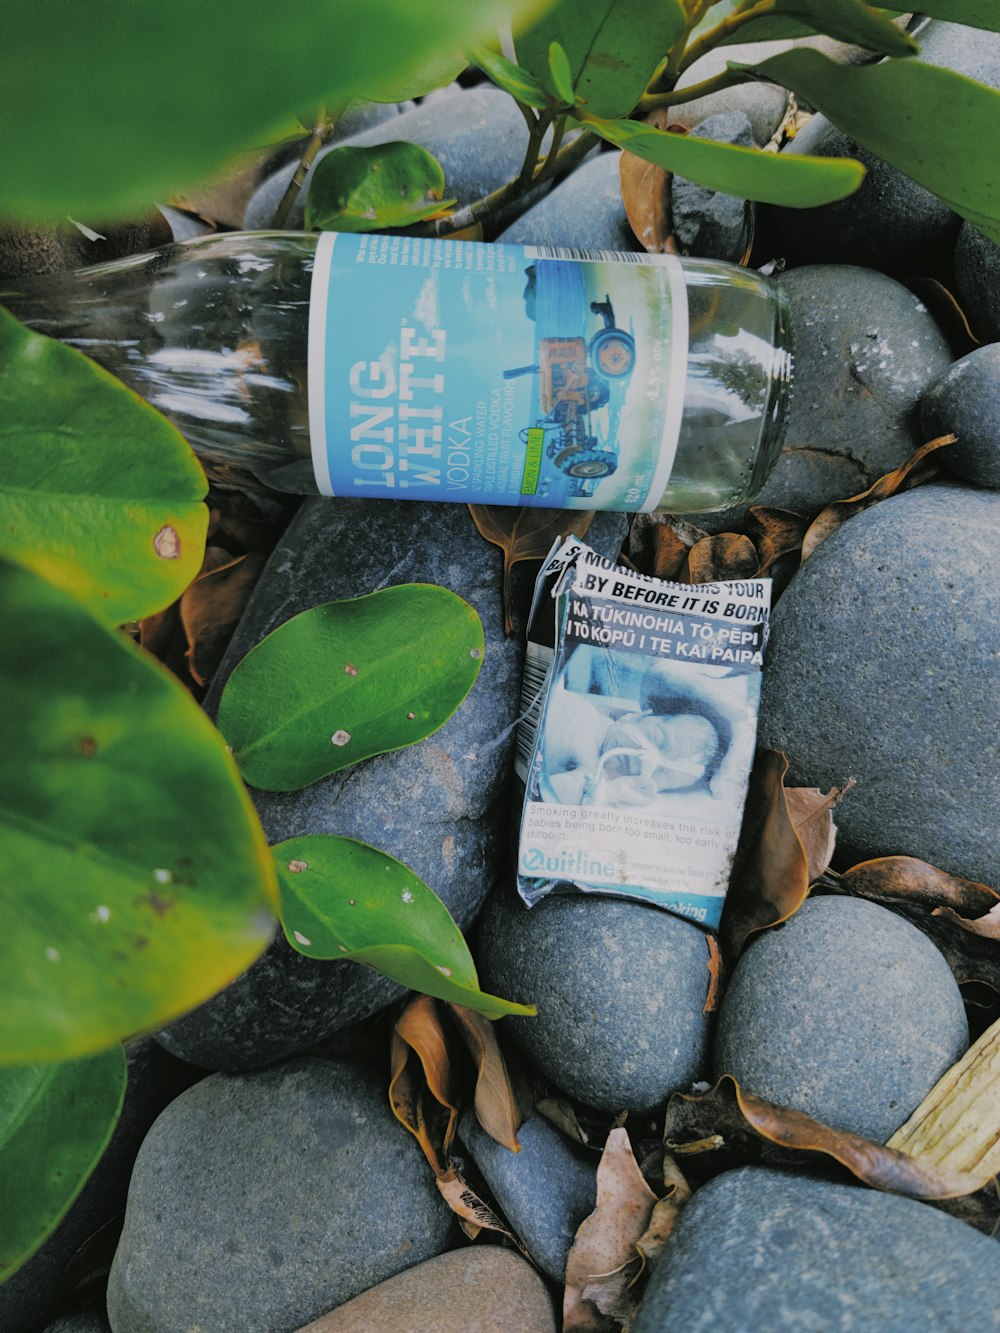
{"x":574,"y":375}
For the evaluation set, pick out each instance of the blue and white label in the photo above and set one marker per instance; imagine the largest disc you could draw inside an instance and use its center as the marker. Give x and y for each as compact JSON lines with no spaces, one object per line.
{"x":494,"y":374}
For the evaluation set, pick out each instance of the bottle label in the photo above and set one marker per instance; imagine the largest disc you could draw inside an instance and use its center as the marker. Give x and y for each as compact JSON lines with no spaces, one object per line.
{"x":495,"y":374}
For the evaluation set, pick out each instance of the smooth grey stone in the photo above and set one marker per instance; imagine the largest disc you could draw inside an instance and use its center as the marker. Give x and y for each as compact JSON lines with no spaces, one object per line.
{"x":478,"y":135}
{"x":33,"y":1293}
{"x":544,"y":1191}
{"x":977,"y":281}
{"x":965,"y":402}
{"x":260,"y":1201}
{"x":620,"y":988}
{"x":973,"y":52}
{"x":889,"y":223}
{"x":847,"y":1012}
{"x":585,"y":211}
{"x":437,"y":806}
{"x":758,"y":1249}
{"x":706,"y":223}
{"x":882,"y":666}
{"x":864,"y":348}
{"x":87,"y":1321}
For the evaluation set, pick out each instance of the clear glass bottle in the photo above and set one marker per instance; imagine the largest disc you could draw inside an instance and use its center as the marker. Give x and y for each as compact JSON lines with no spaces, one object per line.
{"x":221,"y":334}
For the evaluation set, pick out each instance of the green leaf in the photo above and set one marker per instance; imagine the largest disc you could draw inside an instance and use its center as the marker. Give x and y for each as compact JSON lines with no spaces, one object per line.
{"x":55,"y":1122}
{"x":846,"y":20}
{"x":612,"y":48}
{"x":348,"y":680}
{"x":562,"y":75}
{"x":370,"y":189}
{"x":442,"y":68}
{"x":107,"y":107}
{"x":134,"y":878}
{"x":745,"y":172}
{"x":937,"y":126}
{"x":343,"y":899}
{"x":98,"y":491}
{"x":976,"y":13}
{"x":510,"y":77}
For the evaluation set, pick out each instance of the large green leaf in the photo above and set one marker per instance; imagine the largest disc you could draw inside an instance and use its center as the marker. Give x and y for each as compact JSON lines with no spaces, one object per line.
{"x":105,"y":107}
{"x":372,"y":189}
{"x":98,"y":491}
{"x":343,"y":899}
{"x":55,"y":1122}
{"x":441,"y":69}
{"x":613,"y":48}
{"x":976,"y":13}
{"x":745,"y":172}
{"x":937,"y":126}
{"x":135,"y":879}
{"x":847,"y":20}
{"x":348,"y":680}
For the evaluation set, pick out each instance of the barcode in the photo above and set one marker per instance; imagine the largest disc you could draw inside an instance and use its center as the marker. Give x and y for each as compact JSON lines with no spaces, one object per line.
{"x":536,"y":668}
{"x":605,"y":256}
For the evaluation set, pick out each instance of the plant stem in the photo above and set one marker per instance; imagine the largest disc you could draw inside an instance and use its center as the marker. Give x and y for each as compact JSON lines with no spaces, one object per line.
{"x":713,"y":85}
{"x":552,"y":156}
{"x":321,"y":133}
{"x":708,"y":40}
{"x":536,"y":133}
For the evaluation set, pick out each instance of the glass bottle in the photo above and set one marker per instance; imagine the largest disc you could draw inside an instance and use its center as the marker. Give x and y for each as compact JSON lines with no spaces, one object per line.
{"x":417,"y":368}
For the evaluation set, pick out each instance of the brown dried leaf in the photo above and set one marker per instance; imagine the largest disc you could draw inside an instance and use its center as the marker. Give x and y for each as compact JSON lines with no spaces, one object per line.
{"x":726,"y":555}
{"x":421,"y":1090}
{"x":755,"y":1128}
{"x":645,"y":191}
{"x":472,"y":1213}
{"x":908,"y":879}
{"x":664,"y":1216}
{"x":774,"y":533}
{"x":525,"y":534}
{"x":495,"y":1100}
{"x":987,"y":926}
{"x":811,"y":813}
{"x":213,"y":604}
{"x":714,"y":975}
{"x":563,"y":1115}
{"x":912,"y":473}
{"x":603,"y":1257}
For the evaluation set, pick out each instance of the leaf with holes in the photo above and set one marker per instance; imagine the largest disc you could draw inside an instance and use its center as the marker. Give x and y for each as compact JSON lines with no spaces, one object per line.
{"x":341,"y":898}
{"x":371,"y":189}
{"x":98,"y":491}
{"x":348,"y":680}
{"x":55,"y":1122}
{"x":134,"y":877}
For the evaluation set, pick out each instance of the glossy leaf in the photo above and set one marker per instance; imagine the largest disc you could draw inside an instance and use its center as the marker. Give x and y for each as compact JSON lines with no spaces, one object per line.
{"x":341,"y":898}
{"x":561,"y":74}
{"x":348,"y":680}
{"x":846,"y":20}
{"x":371,"y":189}
{"x":745,"y":172}
{"x":55,"y":1122}
{"x":613,"y":48}
{"x":98,"y":491}
{"x":936,"y":126}
{"x":135,"y":879}
{"x":132,"y":100}
{"x":510,"y":77}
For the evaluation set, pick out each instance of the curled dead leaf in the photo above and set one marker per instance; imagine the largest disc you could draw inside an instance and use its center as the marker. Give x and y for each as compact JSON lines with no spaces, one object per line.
{"x":774,"y":533}
{"x":645,"y":191}
{"x":714,"y":975}
{"x":726,"y":555}
{"x":422,"y":1090}
{"x":473,"y":1214}
{"x":495,"y":1101}
{"x":213,"y":604}
{"x":987,"y":926}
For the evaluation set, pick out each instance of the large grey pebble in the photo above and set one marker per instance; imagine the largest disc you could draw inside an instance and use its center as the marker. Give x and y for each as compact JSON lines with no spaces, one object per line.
{"x":882,"y":666}
{"x":864,"y":350}
{"x":965,"y":402}
{"x":707,"y":223}
{"x":585,"y":211}
{"x":484,"y":1289}
{"x":544,"y":1191}
{"x":478,"y":135}
{"x":154,"y":1080}
{"x":437,"y":806}
{"x":757,"y":1249}
{"x":977,"y":281}
{"x":87,"y":1321}
{"x":620,"y":988}
{"x":847,"y":1012}
{"x":260,"y":1201}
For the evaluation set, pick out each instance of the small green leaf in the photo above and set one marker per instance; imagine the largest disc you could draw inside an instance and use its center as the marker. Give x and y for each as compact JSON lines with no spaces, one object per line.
{"x":846,"y":20}
{"x":343,"y":899}
{"x":370,"y":189}
{"x":937,"y":126}
{"x":745,"y":172}
{"x":510,"y":77}
{"x":55,"y":1122}
{"x":612,"y":48}
{"x":562,"y":75}
{"x":348,"y":680}
{"x":98,"y":491}
{"x":134,"y":878}
{"x":134,"y":100}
